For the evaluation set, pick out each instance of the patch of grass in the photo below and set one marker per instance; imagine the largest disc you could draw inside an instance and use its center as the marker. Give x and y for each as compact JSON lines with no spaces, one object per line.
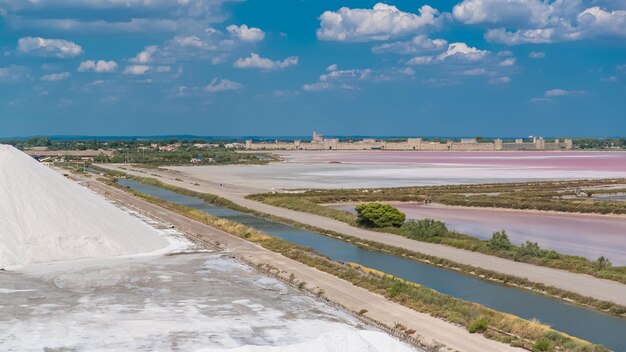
{"x":479,"y":325}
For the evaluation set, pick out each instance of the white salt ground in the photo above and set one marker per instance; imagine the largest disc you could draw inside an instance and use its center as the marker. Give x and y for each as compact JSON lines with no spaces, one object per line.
{"x":357,"y":341}
{"x":45,"y":217}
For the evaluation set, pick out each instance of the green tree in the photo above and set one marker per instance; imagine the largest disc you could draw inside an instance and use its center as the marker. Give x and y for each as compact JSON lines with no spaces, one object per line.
{"x":500,"y":241}
{"x":530,"y":249}
{"x":379,"y":215}
{"x":426,"y":228}
{"x":603,"y":263}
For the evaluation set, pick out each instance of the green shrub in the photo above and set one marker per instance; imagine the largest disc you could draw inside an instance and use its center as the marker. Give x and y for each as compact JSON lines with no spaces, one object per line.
{"x":500,"y":241}
{"x":423,"y":229}
{"x":379,"y":215}
{"x":528,"y":249}
{"x":543,"y":345}
{"x":478,"y":325}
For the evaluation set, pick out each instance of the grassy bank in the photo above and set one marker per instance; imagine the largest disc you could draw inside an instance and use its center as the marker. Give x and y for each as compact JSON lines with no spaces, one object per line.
{"x":604,"y":306}
{"x":492,"y":324}
{"x":311,"y":202}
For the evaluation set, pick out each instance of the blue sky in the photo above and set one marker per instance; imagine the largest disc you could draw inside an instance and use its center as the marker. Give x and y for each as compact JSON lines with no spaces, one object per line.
{"x":285,"y":67}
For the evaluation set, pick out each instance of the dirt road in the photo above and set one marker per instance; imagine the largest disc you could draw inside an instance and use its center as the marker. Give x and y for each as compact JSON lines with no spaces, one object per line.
{"x":336,"y":290}
{"x":585,"y":285}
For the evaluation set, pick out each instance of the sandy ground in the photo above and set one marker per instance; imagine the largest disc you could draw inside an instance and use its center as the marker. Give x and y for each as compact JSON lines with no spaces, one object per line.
{"x":590,"y":236}
{"x":336,"y":290}
{"x":583,"y":284}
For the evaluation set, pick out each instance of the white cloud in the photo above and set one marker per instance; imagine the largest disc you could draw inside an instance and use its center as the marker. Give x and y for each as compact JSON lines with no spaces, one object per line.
{"x":188,"y":41}
{"x":475,"y":72}
{"x":462,"y":51}
{"x":508,"y":62}
{"x":512,"y":12}
{"x":220,"y":85}
{"x":145,"y":56}
{"x":420,"y":60}
{"x":562,"y":92}
{"x":538,"y":21}
{"x":316,"y":87}
{"x":106,"y":16}
{"x":550,"y":94}
{"x":255,"y":61}
{"x":332,"y":67}
{"x":100,"y":66}
{"x":419,"y":44}
{"x":245,"y":33}
{"x":136,"y":70}
{"x":14,"y":74}
{"x":48,"y":47}
{"x":382,"y":22}
{"x":536,"y":55}
{"x":500,"y":80}
{"x":339,"y":74}
{"x":55,"y":76}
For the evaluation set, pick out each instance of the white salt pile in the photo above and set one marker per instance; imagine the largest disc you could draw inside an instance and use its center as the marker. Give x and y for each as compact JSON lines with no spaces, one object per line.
{"x":44,"y":217}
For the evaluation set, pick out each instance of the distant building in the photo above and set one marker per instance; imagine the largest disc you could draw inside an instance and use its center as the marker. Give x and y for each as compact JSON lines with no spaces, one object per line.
{"x":319,"y":142}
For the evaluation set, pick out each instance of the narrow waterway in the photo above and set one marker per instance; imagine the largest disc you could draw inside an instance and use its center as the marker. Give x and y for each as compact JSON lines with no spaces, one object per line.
{"x":575,"y":320}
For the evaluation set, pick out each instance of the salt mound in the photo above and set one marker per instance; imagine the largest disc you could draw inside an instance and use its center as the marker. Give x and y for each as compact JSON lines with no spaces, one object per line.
{"x":336,"y":341}
{"x":45,"y":217}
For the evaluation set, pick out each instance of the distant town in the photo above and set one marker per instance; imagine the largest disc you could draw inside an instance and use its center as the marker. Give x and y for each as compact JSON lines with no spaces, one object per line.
{"x":319,"y":142}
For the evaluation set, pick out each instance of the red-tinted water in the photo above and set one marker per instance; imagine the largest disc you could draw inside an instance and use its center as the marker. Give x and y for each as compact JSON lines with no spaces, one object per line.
{"x":584,"y":161}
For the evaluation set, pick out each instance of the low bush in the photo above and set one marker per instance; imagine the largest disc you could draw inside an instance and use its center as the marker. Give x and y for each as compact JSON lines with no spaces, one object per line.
{"x":479,"y":325}
{"x":379,"y":215}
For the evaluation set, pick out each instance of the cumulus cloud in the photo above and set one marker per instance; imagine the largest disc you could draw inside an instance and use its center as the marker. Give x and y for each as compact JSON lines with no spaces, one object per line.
{"x":462,"y":51}
{"x":508,"y":62}
{"x":48,"y":47}
{"x":100,"y":66}
{"x":382,"y":22}
{"x":536,"y":55}
{"x":258,"y":62}
{"x":536,"y":21}
{"x":419,"y":44}
{"x":145,"y":56}
{"x":55,"y":76}
{"x":221,"y":85}
{"x":136,"y":70}
{"x":550,"y":94}
{"x":245,"y":33}
{"x":562,"y":92}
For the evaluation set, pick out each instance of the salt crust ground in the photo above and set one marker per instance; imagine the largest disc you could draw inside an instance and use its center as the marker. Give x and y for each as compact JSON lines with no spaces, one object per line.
{"x":187,"y":302}
{"x":45,"y":217}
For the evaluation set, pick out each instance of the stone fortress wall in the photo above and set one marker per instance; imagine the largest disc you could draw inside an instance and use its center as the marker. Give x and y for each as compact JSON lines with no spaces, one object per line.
{"x":320,"y":143}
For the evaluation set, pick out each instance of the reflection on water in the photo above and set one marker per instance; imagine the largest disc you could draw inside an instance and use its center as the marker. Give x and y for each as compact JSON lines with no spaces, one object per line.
{"x":578,"y":321}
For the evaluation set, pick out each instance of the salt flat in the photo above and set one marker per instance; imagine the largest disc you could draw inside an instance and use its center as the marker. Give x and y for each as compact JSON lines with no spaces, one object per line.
{"x":187,"y":302}
{"x":363,"y":169}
